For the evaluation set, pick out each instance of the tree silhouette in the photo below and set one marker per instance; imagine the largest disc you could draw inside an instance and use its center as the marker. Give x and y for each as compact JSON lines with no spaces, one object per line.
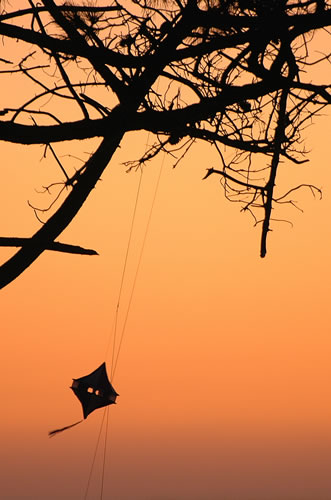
{"x":234,"y":73}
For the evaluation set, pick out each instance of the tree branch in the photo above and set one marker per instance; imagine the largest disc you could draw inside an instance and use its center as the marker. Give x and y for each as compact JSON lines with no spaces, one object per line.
{"x":55,"y":246}
{"x":35,"y":245}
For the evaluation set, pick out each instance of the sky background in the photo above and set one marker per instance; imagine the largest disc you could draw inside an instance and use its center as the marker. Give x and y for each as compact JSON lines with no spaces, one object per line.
{"x":224,"y":371}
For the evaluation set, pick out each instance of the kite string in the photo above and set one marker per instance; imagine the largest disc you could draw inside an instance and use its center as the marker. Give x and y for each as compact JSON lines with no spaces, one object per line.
{"x":114,"y":330}
{"x":115,"y":324}
{"x":115,"y":358}
{"x":104,"y":451}
{"x":113,"y":334}
{"x":94,"y":457}
{"x":137,"y":268}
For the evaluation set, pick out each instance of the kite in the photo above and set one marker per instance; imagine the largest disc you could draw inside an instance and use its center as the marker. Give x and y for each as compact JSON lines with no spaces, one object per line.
{"x":93,"y":391}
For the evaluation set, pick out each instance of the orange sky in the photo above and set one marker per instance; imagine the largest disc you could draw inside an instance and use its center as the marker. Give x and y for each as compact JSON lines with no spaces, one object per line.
{"x":224,"y":372}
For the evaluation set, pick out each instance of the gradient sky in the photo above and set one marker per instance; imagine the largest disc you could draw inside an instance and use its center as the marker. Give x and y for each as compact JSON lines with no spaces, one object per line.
{"x":224,"y":372}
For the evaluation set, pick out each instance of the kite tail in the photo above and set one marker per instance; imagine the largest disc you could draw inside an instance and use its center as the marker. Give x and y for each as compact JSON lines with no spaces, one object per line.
{"x":56,"y":431}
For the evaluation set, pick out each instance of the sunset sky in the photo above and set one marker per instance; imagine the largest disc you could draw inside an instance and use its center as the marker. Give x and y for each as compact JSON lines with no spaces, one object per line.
{"x":224,"y":371}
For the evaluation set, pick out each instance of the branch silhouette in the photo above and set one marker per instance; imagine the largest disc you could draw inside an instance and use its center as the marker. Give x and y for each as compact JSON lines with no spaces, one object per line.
{"x":237,"y":74}
{"x":8,"y":241}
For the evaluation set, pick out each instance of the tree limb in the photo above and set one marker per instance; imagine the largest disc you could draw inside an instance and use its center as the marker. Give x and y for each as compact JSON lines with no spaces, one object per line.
{"x":55,"y":246}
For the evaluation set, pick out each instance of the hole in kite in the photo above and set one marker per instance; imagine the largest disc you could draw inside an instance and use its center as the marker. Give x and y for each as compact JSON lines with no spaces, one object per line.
{"x":90,"y":390}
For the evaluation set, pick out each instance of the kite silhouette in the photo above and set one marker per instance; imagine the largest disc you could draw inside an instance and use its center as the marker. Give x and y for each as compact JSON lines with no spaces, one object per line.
{"x":93,"y":391}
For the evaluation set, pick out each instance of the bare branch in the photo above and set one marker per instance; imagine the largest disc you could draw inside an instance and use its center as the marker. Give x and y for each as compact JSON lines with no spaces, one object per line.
{"x":240,"y":75}
{"x":6,"y":241}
